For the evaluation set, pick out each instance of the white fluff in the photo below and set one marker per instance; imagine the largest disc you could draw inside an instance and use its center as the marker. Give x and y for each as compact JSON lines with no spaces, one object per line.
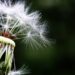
{"x":27,"y":25}
{"x":19,"y":72}
{"x":17,"y":20}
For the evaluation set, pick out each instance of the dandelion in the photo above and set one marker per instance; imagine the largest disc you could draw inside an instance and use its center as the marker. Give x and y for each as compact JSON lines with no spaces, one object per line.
{"x":17,"y":23}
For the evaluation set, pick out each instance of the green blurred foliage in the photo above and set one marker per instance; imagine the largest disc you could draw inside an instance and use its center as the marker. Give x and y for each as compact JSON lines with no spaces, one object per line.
{"x":59,"y":57}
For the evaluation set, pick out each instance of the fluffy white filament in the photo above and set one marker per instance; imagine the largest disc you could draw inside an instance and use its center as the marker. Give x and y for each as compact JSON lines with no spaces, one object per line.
{"x":19,"y":72}
{"x":19,"y":22}
{"x":16,"y":19}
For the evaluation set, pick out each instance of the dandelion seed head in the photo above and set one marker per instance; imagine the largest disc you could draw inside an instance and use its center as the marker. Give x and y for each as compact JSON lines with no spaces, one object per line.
{"x":19,"y":22}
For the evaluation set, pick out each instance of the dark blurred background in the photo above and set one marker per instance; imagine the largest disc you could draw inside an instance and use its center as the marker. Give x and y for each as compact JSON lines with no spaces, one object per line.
{"x":59,"y":57}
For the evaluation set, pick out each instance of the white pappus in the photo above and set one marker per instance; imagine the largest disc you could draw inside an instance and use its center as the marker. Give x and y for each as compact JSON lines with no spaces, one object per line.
{"x":17,"y":23}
